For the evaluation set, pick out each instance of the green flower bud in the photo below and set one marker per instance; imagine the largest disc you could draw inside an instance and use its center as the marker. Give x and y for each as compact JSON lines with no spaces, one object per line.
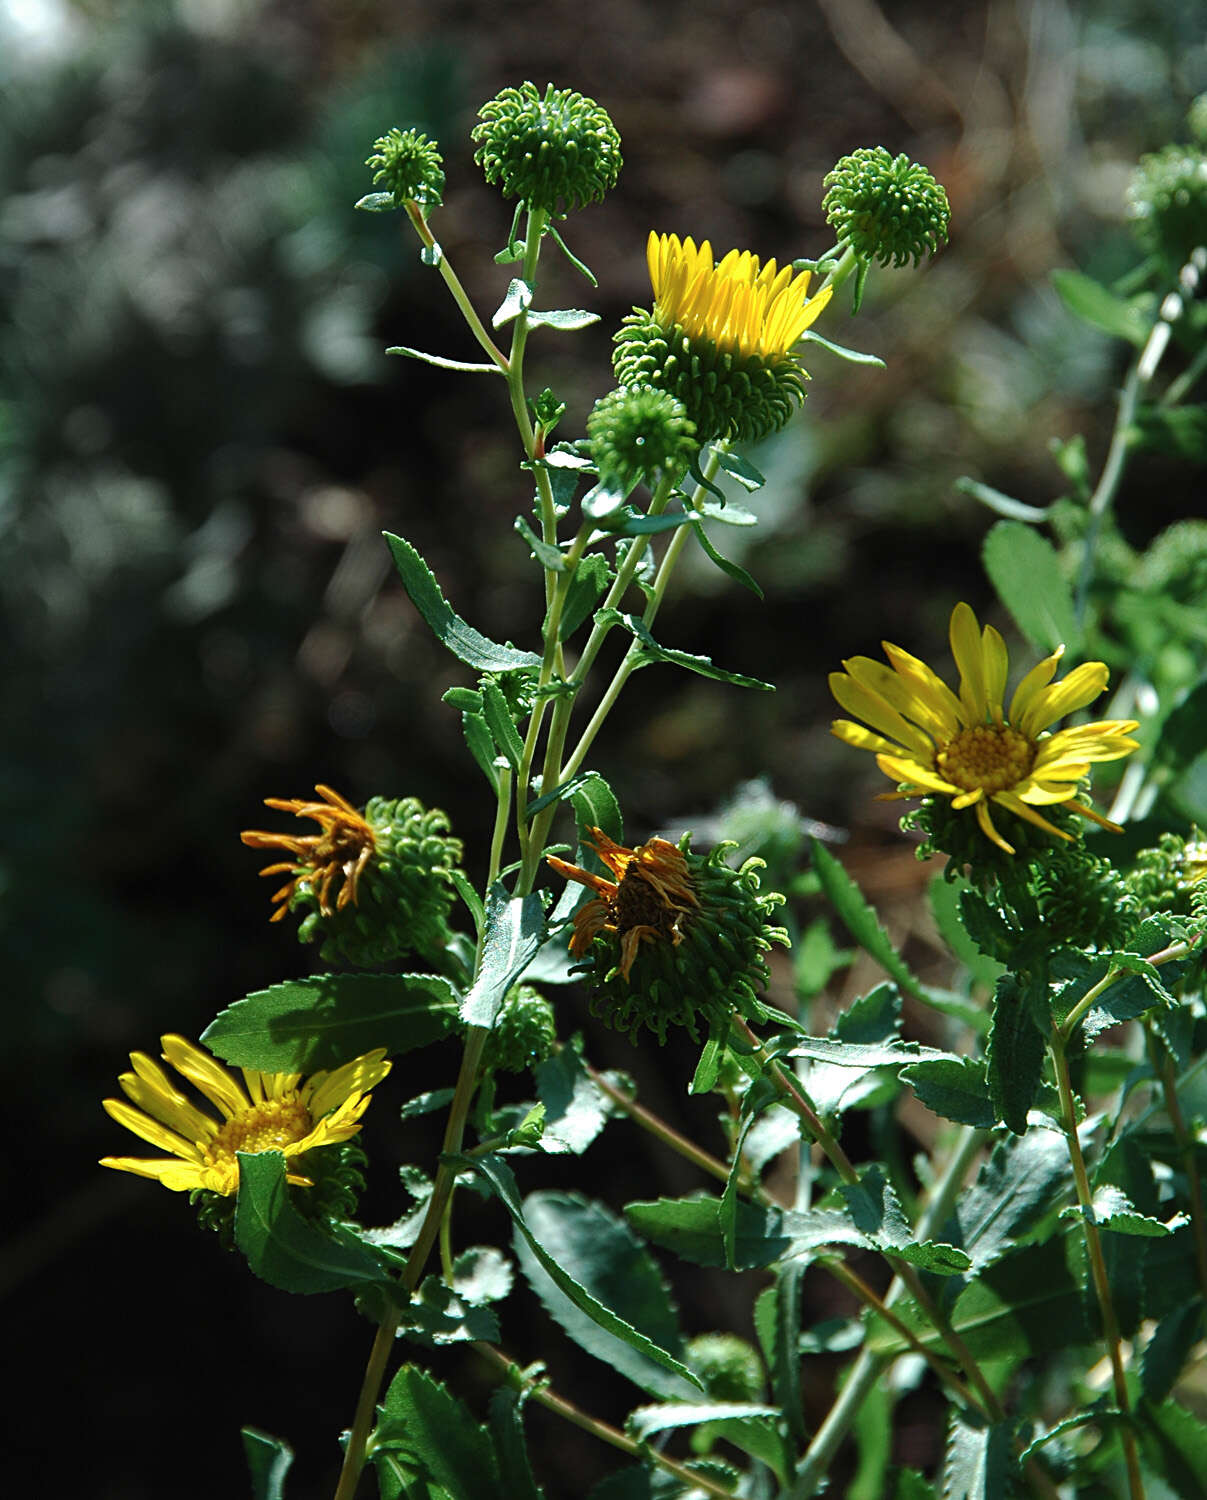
{"x":636,"y":432}
{"x":1164,"y":878}
{"x":556,"y":153}
{"x":729,"y":1367}
{"x":524,"y":1031}
{"x":890,"y":210}
{"x":676,"y":938}
{"x":1167,"y":202}
{"x":373,"y":886}
{"x":408,"y":165}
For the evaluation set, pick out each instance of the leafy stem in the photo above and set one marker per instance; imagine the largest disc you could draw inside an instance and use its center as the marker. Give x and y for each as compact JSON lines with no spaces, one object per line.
{"x":460,"y":296}
{"x":1098,"y":1272}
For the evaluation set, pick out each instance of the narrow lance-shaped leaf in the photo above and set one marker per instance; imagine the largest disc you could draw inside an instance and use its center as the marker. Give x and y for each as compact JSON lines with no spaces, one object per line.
{"x":500,"y":1179}
{"x":1016,"y":1054}
{"x":287,"y":1250}
{"x":466,"y":643}
{"x":302,"y":1025}
{"x":651,"y":651}
{"x":268,"y":1459}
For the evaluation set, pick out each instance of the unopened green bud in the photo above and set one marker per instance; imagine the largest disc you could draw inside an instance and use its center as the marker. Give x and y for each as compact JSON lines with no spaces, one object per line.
{"x":1167,"y":202}
{"x":524,"y":1031}
{"x":887,"y":209}
{"x":1165,"y":877}
{"x":408,"y":165}
{"x":636,"y":432}
{"x":729,"y":1367}
{"x":557,"y":153}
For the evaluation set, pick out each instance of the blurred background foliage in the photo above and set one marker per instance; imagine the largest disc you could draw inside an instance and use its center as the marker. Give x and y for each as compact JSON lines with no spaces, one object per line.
{"x":201,"y":441}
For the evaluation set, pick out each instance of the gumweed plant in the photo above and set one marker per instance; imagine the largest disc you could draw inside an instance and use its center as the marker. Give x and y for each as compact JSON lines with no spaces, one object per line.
{"x":1039,"y":1278}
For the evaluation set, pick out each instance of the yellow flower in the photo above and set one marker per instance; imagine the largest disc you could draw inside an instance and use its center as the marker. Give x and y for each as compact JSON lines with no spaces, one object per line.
{"x":266,"y":1112}
{"x":651,"y":893}
{"x":735,"y":303}
{"x":969,"y":747}
{"x":340,"y":853}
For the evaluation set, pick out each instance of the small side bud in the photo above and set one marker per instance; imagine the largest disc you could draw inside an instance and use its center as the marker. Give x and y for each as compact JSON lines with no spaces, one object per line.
{"x":636,"y":432}
{"x":1167,"y":202}
{"x":887,"y":209}
{"x":728,"y":1366}
{"x":524,"y":1031}
{"x":408,"y":165}
{"x":555,"y":153}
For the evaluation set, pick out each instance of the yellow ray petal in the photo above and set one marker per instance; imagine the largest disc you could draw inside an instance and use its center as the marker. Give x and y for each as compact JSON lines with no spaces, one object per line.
{"x":214,"y":1081}
{"x":151,"y":1130}
{"x":179,"y":1176}
{"x":1081,"y":686}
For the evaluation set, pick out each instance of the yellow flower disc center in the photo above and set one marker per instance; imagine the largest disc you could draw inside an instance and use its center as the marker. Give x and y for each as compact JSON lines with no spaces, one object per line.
{"x":987,"y":757}
{"x":270,"y":1125}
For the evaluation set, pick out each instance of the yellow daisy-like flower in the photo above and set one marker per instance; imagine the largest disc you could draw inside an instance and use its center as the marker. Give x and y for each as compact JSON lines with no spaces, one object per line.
{"x":969,"y":747}
{"x":266,"y":1112}
{"x":738,"y":304}
{"x":651,"y":893}
{"x":338,"y":854}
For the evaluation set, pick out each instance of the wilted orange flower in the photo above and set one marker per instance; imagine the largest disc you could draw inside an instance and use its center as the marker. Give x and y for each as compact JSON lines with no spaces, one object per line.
{"x":338,"y":854}
{"x":648,"y":899}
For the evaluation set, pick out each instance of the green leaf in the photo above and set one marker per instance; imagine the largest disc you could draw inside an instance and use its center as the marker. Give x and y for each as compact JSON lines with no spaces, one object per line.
{"x":739,"y":468}
{"x":376,"y":203}
{"x":550,"y":557}
{"x":748,"y":1426}
{"x":590,"y":579}
{"x":517,"y":300}
{"x":1026,"y":572}
{"x":481,"y":746}
{"x":957,"y":1089}
{"x":444,"y":364}
{"x":268,"y":1458}
{"x":438,"y":1315}
{"x":1168,"y":1349}
{"x":466,"y":643}
{"x":1094,"y":304}
{"x":1183,"y":735}
{"x":877,"y":1214}
{"x":1179,"y":430}
{"x":595,"y":806}
{"x":611,"y":1265}
{"x":501,"y":724}
{"x":1016,"y":1055}
{"x":1004,"y":505}
{"x":1113,"y":1209}
{"x":567,"y":319}
{"x":852,"y":356}
{"x":499,"y":1178}
{"x":575,"y":1108}
{"x":1174,"y":1442}
{"x":945,"y":905}
{"x":786,"y":1317}
{"x":862,"y":923}
{"x":515,"y":927}
{"x":979,"y":1458}
{"x":302,"y":1025}
{"x":726,"y":565}
{"x":511,"y":1449}
{"x":287,"y":1250}
{"x":651,"y":651}
{"x":438,"y":1432}
{"x":1024,"y":1179}
{"x":691,"y":1227}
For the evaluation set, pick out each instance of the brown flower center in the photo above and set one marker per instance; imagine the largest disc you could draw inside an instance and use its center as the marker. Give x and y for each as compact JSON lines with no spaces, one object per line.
{"x":637,"y":904}
{"x":270,"y":1125}
{"x":987,"y":757}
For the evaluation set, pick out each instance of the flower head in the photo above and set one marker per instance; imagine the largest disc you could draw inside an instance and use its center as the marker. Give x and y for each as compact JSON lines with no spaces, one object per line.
{"x":265,"y":1112}
{"x":888,"y":209}
{"x":637,"y":432}
{"x":672,"y":935}
{"x":409,"y":166}
{"x":968,"y":746}
{"x":720,"y":337}
{"x":556,"y":152}
{"x":1167,"y":201}
{"x":373,"y":885}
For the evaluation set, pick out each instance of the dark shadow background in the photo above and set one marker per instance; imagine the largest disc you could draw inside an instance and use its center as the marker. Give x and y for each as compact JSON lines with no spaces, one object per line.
{"x":201,"y":441}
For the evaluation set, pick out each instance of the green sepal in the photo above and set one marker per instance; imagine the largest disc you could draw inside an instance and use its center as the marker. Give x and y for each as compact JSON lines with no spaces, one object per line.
{"x":269,"y":1458}
{"x":1092,"y":303}
{"x":1027,"y":575}
{"x":301,"y":1025}
{"x":466,"y":643}
{"x":285,"y":1249}
{"x":499,"y":1178}
{"x":515,"y":927}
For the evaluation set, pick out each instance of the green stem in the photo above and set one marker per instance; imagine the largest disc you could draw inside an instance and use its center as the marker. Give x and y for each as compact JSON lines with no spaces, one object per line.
{"x":548,"y":1398}
{"x":1098,"y":1272}
{"x":460,"y":297}
{"x":1094,"y":993}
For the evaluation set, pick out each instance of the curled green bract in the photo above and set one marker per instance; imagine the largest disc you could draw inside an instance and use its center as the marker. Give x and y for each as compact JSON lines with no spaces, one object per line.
{"x":555,"y":153}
